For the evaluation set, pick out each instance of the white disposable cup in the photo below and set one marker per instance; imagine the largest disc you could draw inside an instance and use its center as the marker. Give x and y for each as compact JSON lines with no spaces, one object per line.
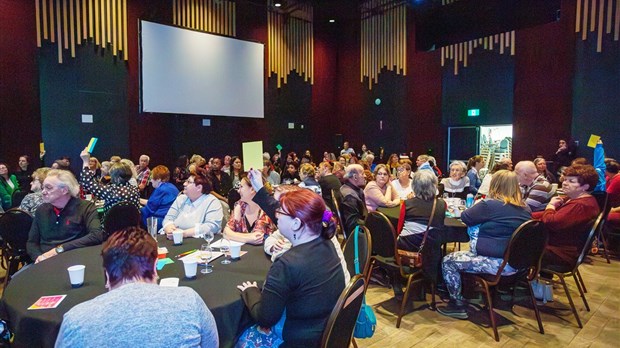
{"x":76,"y":275}
{"x":177,"y":237}
{"x":457,"y":212}
{"x":235,"y":251}
{"x":190,"y":268}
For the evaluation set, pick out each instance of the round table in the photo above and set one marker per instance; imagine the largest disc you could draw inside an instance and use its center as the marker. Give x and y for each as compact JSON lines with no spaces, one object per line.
{"x":39,"y":328}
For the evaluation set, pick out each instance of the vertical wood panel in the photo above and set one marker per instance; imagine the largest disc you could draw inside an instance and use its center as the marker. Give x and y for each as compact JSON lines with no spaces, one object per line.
{"x":578,"y":16}
{"x":593,"y":15}
{"x":599,"y":38}
{"x":71,"y":28}
{"x":44,"y":15}
{"x":52,"y":16}
{"x":59,"y":31}
{"x":37,"y":11}
{"x":65,"y":23}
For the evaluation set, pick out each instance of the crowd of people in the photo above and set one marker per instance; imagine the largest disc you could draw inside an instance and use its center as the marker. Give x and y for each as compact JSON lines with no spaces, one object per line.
{"x":287,"y":206}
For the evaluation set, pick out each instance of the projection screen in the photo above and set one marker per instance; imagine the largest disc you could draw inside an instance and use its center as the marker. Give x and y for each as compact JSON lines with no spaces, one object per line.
{"x":189,"y":72}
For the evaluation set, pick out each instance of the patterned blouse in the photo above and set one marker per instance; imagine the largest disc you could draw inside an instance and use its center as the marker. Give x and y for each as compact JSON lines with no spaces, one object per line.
{"x":112,"y":193}
{"x":31,"y":202}
{"x":239,"y":223}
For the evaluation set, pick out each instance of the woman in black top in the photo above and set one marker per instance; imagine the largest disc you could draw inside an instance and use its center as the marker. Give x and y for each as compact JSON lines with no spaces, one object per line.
{"x":303,"y":284}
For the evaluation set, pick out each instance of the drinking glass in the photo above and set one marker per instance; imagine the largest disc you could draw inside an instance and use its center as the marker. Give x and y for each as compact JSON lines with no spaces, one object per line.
{"x":225,"y":249}
{"x":205,"y":256}
{"x":208,"y":236}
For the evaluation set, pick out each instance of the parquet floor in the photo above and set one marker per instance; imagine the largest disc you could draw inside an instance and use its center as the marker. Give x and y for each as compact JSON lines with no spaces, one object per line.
{"x":425,"y":328}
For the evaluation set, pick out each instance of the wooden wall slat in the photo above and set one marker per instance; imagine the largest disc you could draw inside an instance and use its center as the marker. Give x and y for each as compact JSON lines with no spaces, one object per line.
{"x":37,"y":11}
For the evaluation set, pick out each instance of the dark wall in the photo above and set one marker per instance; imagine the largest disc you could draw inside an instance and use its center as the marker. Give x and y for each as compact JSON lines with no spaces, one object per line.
{"x":555,"y":82}
{"x":20,"y":129}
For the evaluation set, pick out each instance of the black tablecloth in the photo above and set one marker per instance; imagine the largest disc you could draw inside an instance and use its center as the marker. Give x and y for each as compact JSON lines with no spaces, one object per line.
{"x":455,"y":231}
{"x":50,"y":277}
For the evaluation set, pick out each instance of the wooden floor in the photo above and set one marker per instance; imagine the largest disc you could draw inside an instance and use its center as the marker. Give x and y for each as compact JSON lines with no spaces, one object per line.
{"x":426,"y":328}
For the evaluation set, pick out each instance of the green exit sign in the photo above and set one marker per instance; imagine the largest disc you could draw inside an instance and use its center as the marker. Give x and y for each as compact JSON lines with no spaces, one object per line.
{"x":473,"y":112}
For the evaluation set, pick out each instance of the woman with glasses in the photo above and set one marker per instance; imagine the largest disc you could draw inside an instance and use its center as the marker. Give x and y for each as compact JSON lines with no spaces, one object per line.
{"x":379,"y":192}
{"x":457,"y":185}
{"x":248,"y":223}
{"x":195,"y":205}
{"x":304,"y":284}
{"x":402,"y":184}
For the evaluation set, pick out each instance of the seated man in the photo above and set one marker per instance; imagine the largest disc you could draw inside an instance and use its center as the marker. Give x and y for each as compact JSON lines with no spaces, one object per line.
{"x":535,"y":188}
{"x":353,"y":207}
{"x":63,"y":222}
{"x":136,"y":311}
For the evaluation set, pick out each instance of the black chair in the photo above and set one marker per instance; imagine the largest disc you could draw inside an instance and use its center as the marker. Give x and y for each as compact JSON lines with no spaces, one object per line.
{"x":14,"y":228}
{"x":17,"y":198}
{"x":384,"y":255}
{"x":233,"y":197}
{"x":563,"y":271}
{"x":524,"y":253}
{"x":339,"y":329}
{"x":364,"y":244}
{"x":602,"y":200}
{"x":337,"y":200}
{"x":121,"y":216}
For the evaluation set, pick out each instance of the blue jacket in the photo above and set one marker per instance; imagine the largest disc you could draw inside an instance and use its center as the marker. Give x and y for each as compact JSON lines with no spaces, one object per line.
{"x":159,"y":203}
{"x":474,"y":182}
{"x":599,"y":165}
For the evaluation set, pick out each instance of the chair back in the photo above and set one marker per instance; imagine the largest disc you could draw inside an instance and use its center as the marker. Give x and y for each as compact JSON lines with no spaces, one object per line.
{"x":14,"y":228}
{"x":382,"y":233}
{"x":337,"y":201}
{"x":526,"y":247}
{"x":598,"y":224}
{"x":121,"y":216}
{"x":233,"y":197}
{"x":339,"y":329}
{"x":602,"y":199}
{"x":17,"y":198}
{"x":364,"y":245}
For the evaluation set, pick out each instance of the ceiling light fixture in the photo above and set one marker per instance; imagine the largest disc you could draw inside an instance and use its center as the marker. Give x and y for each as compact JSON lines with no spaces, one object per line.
{"x":277,"y":4}
{"x":332,"y":21}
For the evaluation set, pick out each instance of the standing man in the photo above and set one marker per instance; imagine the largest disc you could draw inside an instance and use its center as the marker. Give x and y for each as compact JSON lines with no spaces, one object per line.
{"x":534,"y":187}
{"x":144,"y":174}
{"x":346,"y":150}
{"x":64,"y":221}
{"x":353,"y":207}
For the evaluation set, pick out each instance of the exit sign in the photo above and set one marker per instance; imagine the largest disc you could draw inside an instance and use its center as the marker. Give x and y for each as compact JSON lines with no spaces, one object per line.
{"x":473,"y":112}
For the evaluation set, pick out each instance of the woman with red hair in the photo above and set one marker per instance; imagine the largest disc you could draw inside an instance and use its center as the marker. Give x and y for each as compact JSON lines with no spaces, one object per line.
{"x":303,"y":284}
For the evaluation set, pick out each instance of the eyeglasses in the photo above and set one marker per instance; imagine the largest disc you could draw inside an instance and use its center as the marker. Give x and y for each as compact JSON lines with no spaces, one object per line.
{"x":401,"y":169}
{"x":282,"y":212}
{"x":382,"y":174}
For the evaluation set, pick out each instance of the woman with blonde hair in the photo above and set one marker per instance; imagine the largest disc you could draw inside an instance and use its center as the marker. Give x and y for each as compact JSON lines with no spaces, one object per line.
{"x":496,"y":217}
{"x":306,"y":174}
{"x":33,"y":200}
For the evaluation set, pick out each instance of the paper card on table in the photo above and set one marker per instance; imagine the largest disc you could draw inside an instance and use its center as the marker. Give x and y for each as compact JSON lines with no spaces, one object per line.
{"x":169,"y":282}
{"x":253,"y":155}
{"x":162,"y":262}
{"x":41,"y":147}
{"x":162,"y":250}
{"x":91,"y":144}
{"x":47,"y":302}
{"x":196,"y":256}
{"x":218,"y":244}
{"x":593,"y":140}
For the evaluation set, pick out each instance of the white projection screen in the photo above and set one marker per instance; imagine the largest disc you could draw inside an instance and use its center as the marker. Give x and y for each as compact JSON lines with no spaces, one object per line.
{"x":189,"y":72}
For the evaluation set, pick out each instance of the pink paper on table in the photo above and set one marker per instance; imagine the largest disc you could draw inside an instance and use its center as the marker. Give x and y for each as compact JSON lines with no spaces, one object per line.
{"x":47,"y":302}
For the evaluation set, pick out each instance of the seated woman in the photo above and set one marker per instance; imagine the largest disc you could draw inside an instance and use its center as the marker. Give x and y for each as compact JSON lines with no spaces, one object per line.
{"x":457,"y":185}
{"x":270,"y":173}
{"x":378,"y":193}
{"x":119,"y":189}
{"x":104,"y":178}
{"x":33,"y":200}
{"x":338,"y":171}
{"x":568,"y":218}
{"x":401,"y":187}
{"x":392,"y":164}
{"x":181,"y":173}
{"x":418,"y":210}
{"x":498,"y":216}
{"x":306,"y":174}
{"x":473,"y":167}
{"x":541,"y":167}
{"x":8,"y":185}
{"x":237,"y":171}
{"x":483,"y":190}
{"x":248,"y":223}
{"x":95,"y":166}
{"x":196,"y":205}
{"x":291,"y":175}
{"x":161,"y":199}
{"x":290,"y":292}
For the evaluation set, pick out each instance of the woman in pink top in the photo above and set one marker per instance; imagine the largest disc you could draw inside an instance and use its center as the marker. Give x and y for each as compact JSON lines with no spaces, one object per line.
{"x":378,"y":193}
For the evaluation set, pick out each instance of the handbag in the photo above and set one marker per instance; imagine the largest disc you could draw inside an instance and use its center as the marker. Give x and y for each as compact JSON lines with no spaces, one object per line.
{"x":542,"y":290}
{"x":366,"y":320}
{"x":414,"y":258}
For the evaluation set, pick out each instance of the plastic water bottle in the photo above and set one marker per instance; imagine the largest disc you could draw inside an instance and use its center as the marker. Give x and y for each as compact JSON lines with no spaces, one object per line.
{"x":469,"y":201}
